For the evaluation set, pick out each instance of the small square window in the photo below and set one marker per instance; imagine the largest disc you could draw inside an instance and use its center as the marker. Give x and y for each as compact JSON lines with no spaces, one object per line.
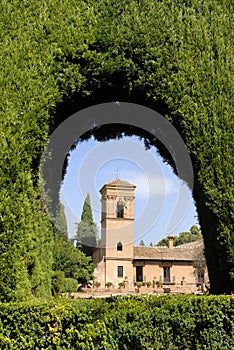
{"x":120,"y":271}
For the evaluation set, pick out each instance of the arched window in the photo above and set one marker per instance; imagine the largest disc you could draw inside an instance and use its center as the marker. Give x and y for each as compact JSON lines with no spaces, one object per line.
{"x":120,"y":210}
{"x":119,"y":246}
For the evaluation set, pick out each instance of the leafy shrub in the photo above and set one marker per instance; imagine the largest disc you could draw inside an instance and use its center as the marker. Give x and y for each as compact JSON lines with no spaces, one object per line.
{"x":128,"y":322}
{"x":70,"y":285}
{"x":58,"y":281}
{"x":61,"y":284}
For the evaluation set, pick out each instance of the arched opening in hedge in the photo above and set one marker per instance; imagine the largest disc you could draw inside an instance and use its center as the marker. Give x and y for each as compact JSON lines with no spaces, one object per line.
{"x":218,"y":272}
{"x":116,"y":131}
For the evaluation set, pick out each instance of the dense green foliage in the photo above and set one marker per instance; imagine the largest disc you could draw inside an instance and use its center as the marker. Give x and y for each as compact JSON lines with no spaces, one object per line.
{"x":142,"y":322}
{"x":71,"y":261}
{"x":87,"y":214}
{"x":61,"y":222}
{"x":184,"y":237}
{"x":58,"y":56}
{"x":86,"y":236}
{"x":62,"y":284}
{"x":70,"y":265}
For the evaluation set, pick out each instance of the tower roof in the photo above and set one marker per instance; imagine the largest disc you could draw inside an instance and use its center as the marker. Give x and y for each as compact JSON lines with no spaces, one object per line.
{"x":119,"y":184}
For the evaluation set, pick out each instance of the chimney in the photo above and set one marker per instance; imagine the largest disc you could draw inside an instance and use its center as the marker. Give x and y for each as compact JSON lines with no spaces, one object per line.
{"x":170,"y":242}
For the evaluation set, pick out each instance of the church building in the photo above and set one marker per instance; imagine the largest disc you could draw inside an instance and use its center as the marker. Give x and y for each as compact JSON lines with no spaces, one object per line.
{"x":117,"y":259}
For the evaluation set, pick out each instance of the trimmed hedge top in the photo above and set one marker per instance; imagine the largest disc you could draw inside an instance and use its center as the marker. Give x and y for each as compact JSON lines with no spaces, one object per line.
{"x":128,"y":322}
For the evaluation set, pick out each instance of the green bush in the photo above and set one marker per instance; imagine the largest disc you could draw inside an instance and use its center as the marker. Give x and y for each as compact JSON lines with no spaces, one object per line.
{"x":120,"y":323}
{"x":61,"y":284}
{"x":70,"y":285}
{"x":58,"y":281}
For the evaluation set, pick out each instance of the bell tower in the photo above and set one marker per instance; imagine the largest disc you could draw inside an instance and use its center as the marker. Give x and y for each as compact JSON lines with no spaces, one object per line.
{"x":117,"y":232}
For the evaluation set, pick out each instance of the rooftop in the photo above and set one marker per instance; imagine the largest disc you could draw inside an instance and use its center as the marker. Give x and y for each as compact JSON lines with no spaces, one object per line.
{"x":184,"y":252}
{"x":119,"y":183}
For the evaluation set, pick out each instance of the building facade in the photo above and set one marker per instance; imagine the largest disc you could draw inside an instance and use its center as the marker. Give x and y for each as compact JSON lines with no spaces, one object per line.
{"x":117,"y":260}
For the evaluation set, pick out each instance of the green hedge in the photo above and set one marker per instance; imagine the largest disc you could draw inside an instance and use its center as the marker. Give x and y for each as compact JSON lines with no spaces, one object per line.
{"x":58,"y":57}
{"x":141,"y":322}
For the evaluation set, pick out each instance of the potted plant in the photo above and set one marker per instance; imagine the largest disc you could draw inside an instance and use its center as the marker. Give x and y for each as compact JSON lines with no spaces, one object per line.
{"x":121,"y":284}
{"x":158,"y":284}
{"x":97,"y":284}
{"x":148,"y":284}
{"x":138,"y":286}
{"x":109,"y":284}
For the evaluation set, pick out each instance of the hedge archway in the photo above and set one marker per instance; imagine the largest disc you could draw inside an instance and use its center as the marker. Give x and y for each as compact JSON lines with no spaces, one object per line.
{"x":176,"y":58}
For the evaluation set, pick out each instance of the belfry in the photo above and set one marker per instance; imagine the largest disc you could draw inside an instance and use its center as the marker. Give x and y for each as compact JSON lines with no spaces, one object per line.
{"x":114,"y":256}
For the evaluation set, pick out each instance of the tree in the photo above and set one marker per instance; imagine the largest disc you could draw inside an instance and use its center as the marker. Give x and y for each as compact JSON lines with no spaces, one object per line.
{"x":141,"y":244}
{"x":162,"y":243}
{"x":87,"y":215}
{"x":61,"y":222}
{"x":70,"y":265}
{"x":195,"y":230}
{"x":71,"y":261}
{"x":86,"y":229}
{"x":184,"y":237}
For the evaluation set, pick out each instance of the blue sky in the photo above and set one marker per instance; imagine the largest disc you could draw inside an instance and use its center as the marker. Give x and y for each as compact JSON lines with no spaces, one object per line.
{"x":163,"y":203}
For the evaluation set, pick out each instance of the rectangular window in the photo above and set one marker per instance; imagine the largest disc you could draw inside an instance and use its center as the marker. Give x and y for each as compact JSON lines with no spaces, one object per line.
{"x":120,"y":271}
{"x":201,"y":278}
{"x":139,"y":273}
{"x":166,"y":274}
{"x":120,"y":211}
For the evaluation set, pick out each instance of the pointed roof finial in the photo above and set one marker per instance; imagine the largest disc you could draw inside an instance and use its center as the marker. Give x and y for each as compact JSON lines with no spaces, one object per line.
{"x":117,"y":173}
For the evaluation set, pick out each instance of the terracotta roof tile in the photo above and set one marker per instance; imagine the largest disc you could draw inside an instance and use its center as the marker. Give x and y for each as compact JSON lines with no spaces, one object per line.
{"x":185,"y":252}
{"x":120,"y":183}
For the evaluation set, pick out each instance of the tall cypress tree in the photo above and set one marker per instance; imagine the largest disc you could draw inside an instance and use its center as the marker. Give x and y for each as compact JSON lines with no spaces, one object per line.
{"x":61,"y":222}
{"x":69,"y":261}
{"x":87,"y":229}
{"x":87,"y":215}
